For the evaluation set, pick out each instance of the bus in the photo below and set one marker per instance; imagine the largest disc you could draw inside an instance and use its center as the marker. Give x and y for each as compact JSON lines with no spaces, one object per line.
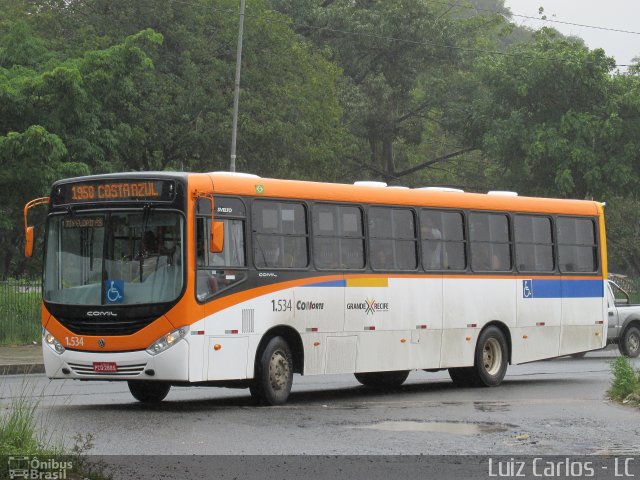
{"x":227,"y":279}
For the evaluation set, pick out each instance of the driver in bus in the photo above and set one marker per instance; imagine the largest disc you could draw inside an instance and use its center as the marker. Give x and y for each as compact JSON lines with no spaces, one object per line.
{"x":149,"y":257}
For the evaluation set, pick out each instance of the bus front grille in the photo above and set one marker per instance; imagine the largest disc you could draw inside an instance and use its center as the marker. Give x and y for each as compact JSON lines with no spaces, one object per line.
{"x":84,"y":326}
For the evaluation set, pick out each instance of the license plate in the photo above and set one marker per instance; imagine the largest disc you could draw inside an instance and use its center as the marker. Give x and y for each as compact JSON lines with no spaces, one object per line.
{"x":105,"y":367}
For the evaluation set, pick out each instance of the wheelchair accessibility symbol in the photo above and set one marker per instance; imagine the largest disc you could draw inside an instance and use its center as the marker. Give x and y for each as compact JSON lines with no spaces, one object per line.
{"x":527,"y":289}
{"x":113,"y":291}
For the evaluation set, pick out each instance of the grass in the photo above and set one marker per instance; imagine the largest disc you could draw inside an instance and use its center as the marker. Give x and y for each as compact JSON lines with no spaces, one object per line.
{"x":625,"y":386}
{"x":20,"y":437}
{"x":19,"y":313}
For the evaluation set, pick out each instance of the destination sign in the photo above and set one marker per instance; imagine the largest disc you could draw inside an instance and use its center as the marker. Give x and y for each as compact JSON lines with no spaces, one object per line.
{"x":115,"y":191}
{"x":83,"y":222}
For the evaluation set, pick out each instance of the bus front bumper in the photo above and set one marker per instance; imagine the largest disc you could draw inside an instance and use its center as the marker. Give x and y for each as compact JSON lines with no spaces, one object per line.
{"x":170,"y":365}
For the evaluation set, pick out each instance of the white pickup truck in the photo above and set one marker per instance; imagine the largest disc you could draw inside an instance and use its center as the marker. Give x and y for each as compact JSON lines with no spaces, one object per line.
{"x":624,"y":321}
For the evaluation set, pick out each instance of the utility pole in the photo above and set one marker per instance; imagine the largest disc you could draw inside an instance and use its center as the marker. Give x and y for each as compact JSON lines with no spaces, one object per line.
{"x":236,"y":97}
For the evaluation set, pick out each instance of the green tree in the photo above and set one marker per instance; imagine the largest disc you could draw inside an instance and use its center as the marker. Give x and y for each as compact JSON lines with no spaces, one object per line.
{"x":290,"y":117}
{"x":58,"y":119}
{"x":550,"y":114}
{"x":403,"y":62}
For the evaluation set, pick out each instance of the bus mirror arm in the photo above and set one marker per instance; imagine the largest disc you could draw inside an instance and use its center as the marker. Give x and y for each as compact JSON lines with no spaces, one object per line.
{"x":28,"y":231}
{"x":216,"y":242}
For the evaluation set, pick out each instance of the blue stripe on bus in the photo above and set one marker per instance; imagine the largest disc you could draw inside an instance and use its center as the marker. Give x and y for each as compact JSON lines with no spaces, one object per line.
{"x":567,"y":288}
{"x":332,"y":283}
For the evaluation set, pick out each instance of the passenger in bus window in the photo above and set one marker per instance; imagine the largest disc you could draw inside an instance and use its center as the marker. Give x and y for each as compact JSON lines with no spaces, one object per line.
{"x":382,"y":261}
{"x":149,"y":259}
{"x":149,"y":244}
{"x":433,"y":249}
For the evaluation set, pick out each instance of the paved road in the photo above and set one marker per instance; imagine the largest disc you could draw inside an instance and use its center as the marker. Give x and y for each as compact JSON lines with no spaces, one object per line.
{"x":552,"y":407}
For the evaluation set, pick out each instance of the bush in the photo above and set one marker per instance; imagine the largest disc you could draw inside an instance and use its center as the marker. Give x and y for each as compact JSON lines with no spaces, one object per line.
{"x":625,"y":385}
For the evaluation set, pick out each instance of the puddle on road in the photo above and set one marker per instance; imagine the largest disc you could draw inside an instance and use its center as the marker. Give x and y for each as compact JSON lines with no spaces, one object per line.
{"x":456,"y":428}
{"x":491,"y":406}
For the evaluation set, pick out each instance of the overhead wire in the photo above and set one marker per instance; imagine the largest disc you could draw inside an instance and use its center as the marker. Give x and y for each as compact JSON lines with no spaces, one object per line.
{"x":541,"y":19}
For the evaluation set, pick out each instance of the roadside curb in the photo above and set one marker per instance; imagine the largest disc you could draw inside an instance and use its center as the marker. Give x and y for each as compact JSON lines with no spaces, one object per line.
{"x":22,"y":369}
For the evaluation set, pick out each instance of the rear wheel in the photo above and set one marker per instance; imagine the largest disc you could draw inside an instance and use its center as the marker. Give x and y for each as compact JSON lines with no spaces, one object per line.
{"x":490,"y":361}
{"x":273,"y":374}
{"x":382,"y":379}
{"x":149,"y":392}
{"x":491,"y":358}
{"x":629,"y":344}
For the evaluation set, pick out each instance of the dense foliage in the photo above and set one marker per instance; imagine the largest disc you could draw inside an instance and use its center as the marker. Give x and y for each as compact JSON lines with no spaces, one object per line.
{"x":411,"y":92}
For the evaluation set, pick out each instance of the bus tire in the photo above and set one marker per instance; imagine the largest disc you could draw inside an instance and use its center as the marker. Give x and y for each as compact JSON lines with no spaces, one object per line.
{"x":382,"y":379}
{"x":148,"y":392}
{"x":462,"y":377}
{"x":629,"y":344}
{"x":273,"y":377}
{"x":491,"y":358}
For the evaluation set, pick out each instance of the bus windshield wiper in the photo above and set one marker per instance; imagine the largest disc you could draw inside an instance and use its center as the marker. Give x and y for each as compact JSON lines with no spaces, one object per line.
{"x":146,"y":215}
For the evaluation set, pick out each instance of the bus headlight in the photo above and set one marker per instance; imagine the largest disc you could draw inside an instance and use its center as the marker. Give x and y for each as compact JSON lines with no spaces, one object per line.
{"x":50,"y":340}
{"x":167,"y":341}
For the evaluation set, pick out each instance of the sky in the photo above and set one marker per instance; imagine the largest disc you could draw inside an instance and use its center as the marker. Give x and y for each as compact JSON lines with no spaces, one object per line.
{"x":616,"y":14}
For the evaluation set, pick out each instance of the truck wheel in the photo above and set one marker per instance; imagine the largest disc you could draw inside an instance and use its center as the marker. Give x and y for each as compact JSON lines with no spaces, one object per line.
{"x":382,"y":379}
{"x":629,"y":344}
{"x":148,"y":392}
{"x":273,"y":374}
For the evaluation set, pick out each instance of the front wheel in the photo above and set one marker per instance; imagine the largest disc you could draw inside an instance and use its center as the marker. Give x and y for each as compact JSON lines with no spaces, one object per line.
{"x":273,"y":373}
{"x":149,"y":392}
{"x":629,"y":344}
{"x":382,"y":379}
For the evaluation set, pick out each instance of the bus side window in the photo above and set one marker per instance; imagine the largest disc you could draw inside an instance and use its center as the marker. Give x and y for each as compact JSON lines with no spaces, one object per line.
{"x":338,"y":239}
{"x":443,"y":240}
{"x":490,"y":242}
{"x":534,"y":243}
{"x":392,"y":239}
{"x":219,"y":271}
{"x":577,"y":245}
{"x":280,"y":234}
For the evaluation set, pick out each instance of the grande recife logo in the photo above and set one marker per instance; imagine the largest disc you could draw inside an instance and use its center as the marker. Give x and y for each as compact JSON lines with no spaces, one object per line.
{"x":370,"y":306}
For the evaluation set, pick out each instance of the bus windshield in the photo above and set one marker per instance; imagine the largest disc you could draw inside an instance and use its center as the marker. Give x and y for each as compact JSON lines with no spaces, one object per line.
{"x":114,"y":258}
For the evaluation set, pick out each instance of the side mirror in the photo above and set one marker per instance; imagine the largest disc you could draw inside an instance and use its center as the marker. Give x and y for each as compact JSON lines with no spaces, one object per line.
{"x":28,"y":244}
{"x":216,"y":242}
{"x":28,"y":231}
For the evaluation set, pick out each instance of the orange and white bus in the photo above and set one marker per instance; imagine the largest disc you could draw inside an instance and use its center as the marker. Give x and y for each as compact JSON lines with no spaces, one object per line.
{"x":222,"y":279}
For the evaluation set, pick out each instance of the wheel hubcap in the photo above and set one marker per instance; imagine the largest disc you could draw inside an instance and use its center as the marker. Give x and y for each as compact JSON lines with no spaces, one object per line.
{"x":492,"y":356}
{"x":278,"y":371}
{"x":634,"y":343}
